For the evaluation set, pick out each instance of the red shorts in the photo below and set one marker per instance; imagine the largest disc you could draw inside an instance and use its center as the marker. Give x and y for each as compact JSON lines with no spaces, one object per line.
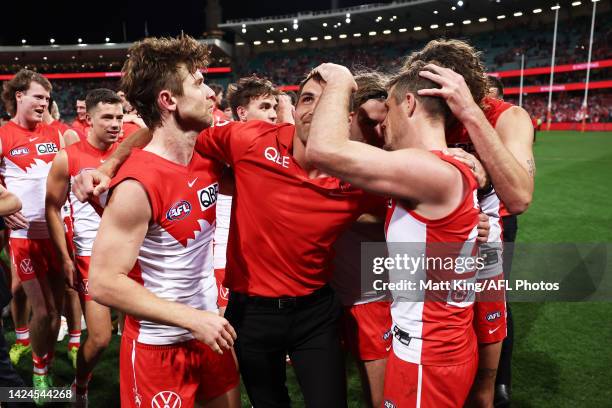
{"x":366,"y":330}
{"x":185,"y":372}
{"x":81,"y":263}
{"x":431,"y":386}
{"x":223,"y":292}
{"x":33,"y":258}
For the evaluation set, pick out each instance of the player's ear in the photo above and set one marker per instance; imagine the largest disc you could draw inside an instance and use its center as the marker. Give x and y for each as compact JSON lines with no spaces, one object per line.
{"x":410,"y":103}
{"x":88,"y":119}
{"x":166,"y":100}
{"x":242,"y":113}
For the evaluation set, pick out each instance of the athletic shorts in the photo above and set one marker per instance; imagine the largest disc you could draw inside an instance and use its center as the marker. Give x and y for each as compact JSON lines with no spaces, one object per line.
{"x":409,"y":385}
{"x":81,"y":263}
{"x":174,"y":375}
{"x":223,"y":294}
{"x":366,"y":330}
{"x":33,"y":258}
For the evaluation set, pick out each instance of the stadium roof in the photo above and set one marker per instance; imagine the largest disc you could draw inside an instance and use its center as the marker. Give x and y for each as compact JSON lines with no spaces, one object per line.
{"x":402,"y":16}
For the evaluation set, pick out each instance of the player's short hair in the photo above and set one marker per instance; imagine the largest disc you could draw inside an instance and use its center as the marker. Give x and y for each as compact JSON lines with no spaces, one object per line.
{"x":459,"y":56}
{"x":100,"y":95}
{"x":370,"y":85}
{"x":153,"y":65}
{"x":224,"y":104}
{"x":312,"y":75}
{"x":248,"y":88}
{"x":495,"y":82}
{"x":20,"y":83}
{"x":408,"y":80}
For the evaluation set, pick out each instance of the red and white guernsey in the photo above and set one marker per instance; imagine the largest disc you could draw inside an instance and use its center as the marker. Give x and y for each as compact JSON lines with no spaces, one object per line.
{"x":175,"y":260}
{"x":26,"y":160}
{"x":85,"y":219}
{"x":441,"y":333}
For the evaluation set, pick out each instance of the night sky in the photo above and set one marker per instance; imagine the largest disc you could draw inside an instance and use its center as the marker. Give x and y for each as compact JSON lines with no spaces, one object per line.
{"x":65,"y":21}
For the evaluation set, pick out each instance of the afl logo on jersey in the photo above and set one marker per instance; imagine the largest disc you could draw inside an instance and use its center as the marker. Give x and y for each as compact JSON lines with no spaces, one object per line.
{"x":46,"y":148}
{"x":208,"y":196}
{"x":19,"y":151}
{"x":178,"y":211}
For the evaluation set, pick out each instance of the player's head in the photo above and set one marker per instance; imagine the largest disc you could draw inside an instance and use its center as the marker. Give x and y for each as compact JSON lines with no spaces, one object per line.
{"x":127,"y":107}
{"x":408,"y":111}
{"x":459,"y":56}
{"x":368,"y":110}
{"x":227,"y":109}
{"x":496,"y":87}
{"x":81,"y":110}
{"x":104,"y":114}
{"x":162,"y":80}
{"x":253,"y":98}
{"x":27,"y":95}
{"x":308,"y":97}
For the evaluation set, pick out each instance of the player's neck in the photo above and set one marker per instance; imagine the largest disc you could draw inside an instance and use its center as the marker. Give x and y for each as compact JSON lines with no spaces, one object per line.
{"x":173,"y":143}
{"x":299,"y":155}
{"x":429,"y":135}
{"x":97,"y":143}
{"x":21,"y":121}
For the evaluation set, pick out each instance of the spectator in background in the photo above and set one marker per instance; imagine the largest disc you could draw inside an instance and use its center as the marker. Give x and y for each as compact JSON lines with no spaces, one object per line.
{"x":80,"y":123}
{"x":496,"y":88}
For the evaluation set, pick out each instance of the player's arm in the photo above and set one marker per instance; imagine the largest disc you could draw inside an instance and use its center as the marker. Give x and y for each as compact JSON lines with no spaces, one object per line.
{"x":285,"y":109}
{"x":58,"y":181}
{"x":9,"y":202}
{"x":505,"y":150}
{"x":96,"y":182}
{"x":121,"y":233}
{"x":410,"y":174}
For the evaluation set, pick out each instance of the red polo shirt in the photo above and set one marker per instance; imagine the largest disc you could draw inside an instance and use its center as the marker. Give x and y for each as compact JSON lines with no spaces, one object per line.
{"x":283,"y":223}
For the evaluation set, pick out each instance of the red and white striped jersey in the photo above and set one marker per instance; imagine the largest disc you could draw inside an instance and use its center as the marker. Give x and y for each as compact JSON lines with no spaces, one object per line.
{"x":26,"y":160}
{"x":85,"y":219}
{"x":441,"y":332}
{"x":175,"y":260}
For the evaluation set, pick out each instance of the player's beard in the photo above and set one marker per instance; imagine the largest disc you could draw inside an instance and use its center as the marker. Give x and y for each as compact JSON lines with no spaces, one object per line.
{"x":190,"y":122}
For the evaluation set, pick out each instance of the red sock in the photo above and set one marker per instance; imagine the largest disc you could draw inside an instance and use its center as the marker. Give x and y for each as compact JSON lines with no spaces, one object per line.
{"x":41,"y":366}
{"x":22,"y":335}
{"x":75,"y":339}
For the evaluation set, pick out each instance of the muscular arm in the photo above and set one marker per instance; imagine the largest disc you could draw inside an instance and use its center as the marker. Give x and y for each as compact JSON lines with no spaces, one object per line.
{"x":505,"y":151}
{"x":122,"y":231}
{"x":57,"y":192}
{"x":506,"y":154}
{"x":9,"y":202}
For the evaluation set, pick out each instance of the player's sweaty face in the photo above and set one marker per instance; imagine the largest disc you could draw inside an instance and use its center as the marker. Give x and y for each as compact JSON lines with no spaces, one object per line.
{"x":262,"y":108}
{"x":306,"y":104}
{"x":33,"y":102}
{"x":366,"y":123}
{"x":195,"y":106}
{"x":106,"y":121}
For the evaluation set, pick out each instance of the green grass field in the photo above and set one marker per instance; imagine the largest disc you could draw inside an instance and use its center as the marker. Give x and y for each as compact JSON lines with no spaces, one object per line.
{"x":563,"y":351}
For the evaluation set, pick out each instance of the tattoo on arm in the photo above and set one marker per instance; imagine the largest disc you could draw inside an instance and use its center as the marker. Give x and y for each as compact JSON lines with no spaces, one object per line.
{"x":531,"y":165}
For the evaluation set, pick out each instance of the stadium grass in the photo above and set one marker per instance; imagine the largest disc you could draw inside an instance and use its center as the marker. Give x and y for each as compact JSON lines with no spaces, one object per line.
{"x":562,"y":354}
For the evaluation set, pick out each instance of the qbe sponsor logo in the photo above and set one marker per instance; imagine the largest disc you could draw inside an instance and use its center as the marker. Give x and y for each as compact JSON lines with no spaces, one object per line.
{"x":19,"y":151}
{"x":178,"y":211}
{"x":208,"y":196}
{"x":46,"y":148}
{"x":274,"y":156}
